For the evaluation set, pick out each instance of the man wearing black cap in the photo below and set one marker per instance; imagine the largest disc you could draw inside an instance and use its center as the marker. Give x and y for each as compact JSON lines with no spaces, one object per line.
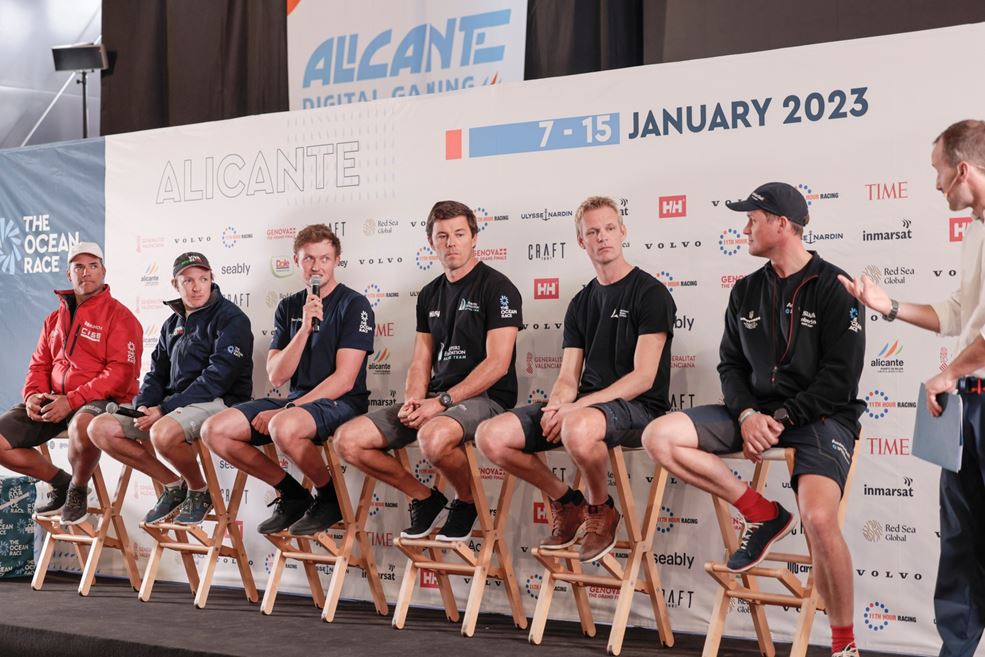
{"x":202,"y":364}
{"x":791,"y":357}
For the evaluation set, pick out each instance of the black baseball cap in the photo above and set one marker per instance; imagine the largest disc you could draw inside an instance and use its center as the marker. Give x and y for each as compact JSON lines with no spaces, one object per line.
{"x":189,"y":259}
{"x":776,"y":198}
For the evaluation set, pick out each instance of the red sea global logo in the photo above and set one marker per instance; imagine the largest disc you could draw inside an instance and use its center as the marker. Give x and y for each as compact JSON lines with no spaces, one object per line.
{"x":670,"y":207}
{"x":546,"y":288}
{"x":425,"y":258}
{"x":956,"y":227}
{"x":731,"y":241}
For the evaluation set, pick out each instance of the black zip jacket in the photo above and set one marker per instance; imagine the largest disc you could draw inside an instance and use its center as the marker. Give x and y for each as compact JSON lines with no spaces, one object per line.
{"x":815,"y":374}
{"x":200,"y":357}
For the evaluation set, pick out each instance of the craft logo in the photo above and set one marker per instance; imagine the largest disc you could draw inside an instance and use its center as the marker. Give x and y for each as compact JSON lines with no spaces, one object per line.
{"x":377,"y":504}
{"x":537,"y":396}
{"x":380,"y":363}
{"x":810,"y":195}
{"x":877,"y":617}
{"x":681,"y":400}
{"x":379,"y":226}
{"x":491,"y":254}
{"x":678,"y":598}
{"x":888,"y":191}
{"x":905,"y":233}
{"x":281,"y":266}
{"x":889,"y":275}
{"x":545,"y":250}
{"x":150,"y":276}
{"x":547,"y":214}
{"x":282,"y":233}
{"x":425,"y":258}
{"x":731,"y":241}
{"x":156,"y":242}
{"x":671,"y":283}
{"x":906,"y":490}
{"x":671,"y":207}
{"x":375,"y":294}
{"x":546,"y":288}
{"x":894,"y":446}
{"x":241,"y":299}
{"x":729,"y":280}
{"x":535,"y":362}
{"x":683,"y":361}
{"x":483,"y":217}
{"x":810,"y":237}
{"x":874,"y":531}
{"x":424,"y":471}
{"x":956,"y":227}
{"x":668,"y":520}
{"x":879,"y":404}
{"x":888,"y":360}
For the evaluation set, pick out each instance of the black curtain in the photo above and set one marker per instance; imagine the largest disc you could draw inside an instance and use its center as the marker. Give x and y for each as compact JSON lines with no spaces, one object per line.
{"x":174,"y":62}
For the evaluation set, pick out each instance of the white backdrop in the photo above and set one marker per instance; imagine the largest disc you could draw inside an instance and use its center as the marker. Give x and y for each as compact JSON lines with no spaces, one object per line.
{"x":863,"y":115}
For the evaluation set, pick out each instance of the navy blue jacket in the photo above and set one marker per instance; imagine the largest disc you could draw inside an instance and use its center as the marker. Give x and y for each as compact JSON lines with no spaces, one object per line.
{"x":200,"y":357}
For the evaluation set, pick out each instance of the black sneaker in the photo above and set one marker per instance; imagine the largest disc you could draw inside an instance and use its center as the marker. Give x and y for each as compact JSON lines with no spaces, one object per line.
{"x":758,"y":538}
{"x":76,"y":508}
{"x":167,"y":503}
{"x":322,"y":514}
{"x":56,"y":500}
{"x":458,"y":525}
{"x":288,"y":510}
{"x":424,"y":515}
{"x":194,"y":509}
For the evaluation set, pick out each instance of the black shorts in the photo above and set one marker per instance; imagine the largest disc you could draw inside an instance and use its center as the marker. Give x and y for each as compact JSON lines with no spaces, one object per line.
{"x":328,"y":414}
{"x":822,"y":448}
{"x":22,"y":431}
{"x":469,"y":414}
{"x":624,"y":424}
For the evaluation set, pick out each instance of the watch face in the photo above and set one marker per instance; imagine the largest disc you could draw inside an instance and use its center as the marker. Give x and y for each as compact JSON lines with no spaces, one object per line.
{"x":445,"y":400}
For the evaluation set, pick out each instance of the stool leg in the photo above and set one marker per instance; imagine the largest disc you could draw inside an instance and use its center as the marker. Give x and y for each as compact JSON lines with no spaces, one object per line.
{"x":41,"y":568}
{"x":150,"y":573}
{"x":273,"y":582}
{"x":544,"y":598}
{"x":716,"y":624}
{"x":403,"y":598}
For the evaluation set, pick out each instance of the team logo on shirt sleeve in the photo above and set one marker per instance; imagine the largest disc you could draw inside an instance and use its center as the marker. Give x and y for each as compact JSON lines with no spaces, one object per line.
{"x":505,"y":312}
{"x":853,"y":324}
{"x":752,"y":321}
{"x":364,"y":326}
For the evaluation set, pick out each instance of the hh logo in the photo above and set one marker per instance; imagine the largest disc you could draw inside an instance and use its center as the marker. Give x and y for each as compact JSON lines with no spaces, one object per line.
{"x":672,"y":206}
{"x":957,"y":227}
{"x":546,"y":288}
{"x":540,"y":513}
{"x":428,"y":579}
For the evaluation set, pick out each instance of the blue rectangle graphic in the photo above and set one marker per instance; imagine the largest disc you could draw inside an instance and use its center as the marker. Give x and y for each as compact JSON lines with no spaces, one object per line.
{"x":544,"y":135}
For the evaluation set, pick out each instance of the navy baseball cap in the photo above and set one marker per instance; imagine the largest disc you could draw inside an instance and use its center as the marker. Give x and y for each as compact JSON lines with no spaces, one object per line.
{"x":189,"y":259}
{"x":776,"y":198}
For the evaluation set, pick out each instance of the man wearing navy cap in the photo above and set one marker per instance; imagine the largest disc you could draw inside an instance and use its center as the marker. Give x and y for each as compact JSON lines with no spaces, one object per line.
{"x":791,"y":357}
{"x":202,"y":364}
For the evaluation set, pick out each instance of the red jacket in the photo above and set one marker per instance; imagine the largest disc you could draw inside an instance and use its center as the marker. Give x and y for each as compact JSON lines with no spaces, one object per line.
{"x":93,"y":356}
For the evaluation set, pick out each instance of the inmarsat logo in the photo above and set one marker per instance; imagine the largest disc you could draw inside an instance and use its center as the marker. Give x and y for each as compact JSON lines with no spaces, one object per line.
{"x":10,"y":246}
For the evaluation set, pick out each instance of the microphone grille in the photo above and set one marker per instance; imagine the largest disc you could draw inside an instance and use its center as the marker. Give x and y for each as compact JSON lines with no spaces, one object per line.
{"x":112,"y":407}
{"x":316,"y":280}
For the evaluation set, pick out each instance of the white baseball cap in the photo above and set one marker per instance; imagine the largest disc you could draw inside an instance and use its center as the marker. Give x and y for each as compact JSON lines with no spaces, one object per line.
{"x":85,"y":247}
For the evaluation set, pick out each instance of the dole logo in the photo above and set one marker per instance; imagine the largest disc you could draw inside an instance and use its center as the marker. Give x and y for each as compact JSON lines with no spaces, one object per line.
{"x":546,"y":288}
{"x":669,"y":207}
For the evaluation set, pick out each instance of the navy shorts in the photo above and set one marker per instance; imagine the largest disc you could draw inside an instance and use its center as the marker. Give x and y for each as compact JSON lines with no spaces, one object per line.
{"x":822,"y":448}
{"x":22,"y":431}
{"x":327,"y":413}
{"x":624,"y":424}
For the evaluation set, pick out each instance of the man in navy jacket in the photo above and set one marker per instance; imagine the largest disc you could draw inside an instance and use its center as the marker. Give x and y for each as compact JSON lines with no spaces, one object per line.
{"x":203,"y":364}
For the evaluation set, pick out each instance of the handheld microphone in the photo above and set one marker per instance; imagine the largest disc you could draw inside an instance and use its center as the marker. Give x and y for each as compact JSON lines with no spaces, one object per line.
{"x":116,"y":409}
{"x":315,"y":290}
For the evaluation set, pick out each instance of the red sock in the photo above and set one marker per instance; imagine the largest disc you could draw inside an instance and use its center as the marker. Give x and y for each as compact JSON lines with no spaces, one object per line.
{"x":754,"y":507}
{"x":841,"y":638}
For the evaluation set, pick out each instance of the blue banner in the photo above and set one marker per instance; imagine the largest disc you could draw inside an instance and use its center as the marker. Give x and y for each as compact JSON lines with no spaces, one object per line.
{"x":51,"y":197}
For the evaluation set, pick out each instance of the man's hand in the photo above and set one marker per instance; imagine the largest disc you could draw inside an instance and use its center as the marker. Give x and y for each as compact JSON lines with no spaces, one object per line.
{"x":409,"y":406}
{"x":943,"y":382}
{"x":33,"y":405}
{"x":151,"y":415}
{"x":312,"y":308}
{"x":426,"y":410}
{"x":868,"y":292}
{"x":551,"y":426}
{"x":262,"y":421}
{"x":56,"y":410}
{"x":759,"y":433}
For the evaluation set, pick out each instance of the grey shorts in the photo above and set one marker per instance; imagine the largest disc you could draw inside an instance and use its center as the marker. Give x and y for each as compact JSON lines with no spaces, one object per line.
{"x":469,"y":413}
{"x":190,"y":418}
{"x":823,"y":448}
{"x":624,"y":424}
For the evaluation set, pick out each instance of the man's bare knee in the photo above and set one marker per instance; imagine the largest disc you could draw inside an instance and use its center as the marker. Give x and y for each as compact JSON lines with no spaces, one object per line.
{"x":493,"y":436}
{"x":438,"y":437}
{"x":666,"y":436}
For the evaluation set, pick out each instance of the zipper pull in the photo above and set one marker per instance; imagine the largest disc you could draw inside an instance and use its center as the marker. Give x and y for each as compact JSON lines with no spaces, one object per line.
{"x":773,"y":375}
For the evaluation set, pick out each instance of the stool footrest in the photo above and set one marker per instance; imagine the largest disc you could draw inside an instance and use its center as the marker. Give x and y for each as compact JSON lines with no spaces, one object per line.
{"x":329,"y":559}
{"x":592,"y":580}
{"x":444,"y":566}
{"x":426,"y":543}
{"x":554,"y":554}
{"x":73,"y":538}
{"x":185,"y":547}
{"x":763,"y":597}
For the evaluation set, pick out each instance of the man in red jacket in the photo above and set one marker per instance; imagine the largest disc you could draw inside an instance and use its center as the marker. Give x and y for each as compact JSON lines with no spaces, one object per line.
{"x":88,"y":355}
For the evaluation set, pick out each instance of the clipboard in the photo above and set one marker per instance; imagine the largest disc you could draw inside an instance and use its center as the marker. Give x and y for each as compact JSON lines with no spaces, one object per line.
{"x":939,"y":440}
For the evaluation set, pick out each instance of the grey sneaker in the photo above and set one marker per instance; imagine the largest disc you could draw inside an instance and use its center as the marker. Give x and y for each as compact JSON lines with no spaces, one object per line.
{"x":76,"y":508}
{"x":195,"y":507}
{"x":167,"y":503}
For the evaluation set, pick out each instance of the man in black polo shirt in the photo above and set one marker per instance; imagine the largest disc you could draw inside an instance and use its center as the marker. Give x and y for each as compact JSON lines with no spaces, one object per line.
{"x":463,"y":371}
{"x":614,"y":379}
{"x":791,"y":356}
{"x":320,"y":345}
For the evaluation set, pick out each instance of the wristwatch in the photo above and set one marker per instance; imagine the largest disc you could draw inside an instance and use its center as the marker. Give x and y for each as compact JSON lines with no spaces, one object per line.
{"x":289,"y":405}
{"x":783,"y":417}
{"x":893,"y":310}
{"x":446,"y":400}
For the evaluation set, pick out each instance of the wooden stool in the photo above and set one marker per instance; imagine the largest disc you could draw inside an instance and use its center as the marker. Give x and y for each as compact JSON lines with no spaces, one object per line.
{"x":172,"y":536}
{"x":88,"y":539}
{"x":802,"y":594}
{"x":340,"y":555}
{"x":564,"y":565}
{"x":427,"y":553}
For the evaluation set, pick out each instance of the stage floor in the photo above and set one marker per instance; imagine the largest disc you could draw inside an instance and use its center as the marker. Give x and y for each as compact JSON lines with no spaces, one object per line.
{"x":111,"y":622}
